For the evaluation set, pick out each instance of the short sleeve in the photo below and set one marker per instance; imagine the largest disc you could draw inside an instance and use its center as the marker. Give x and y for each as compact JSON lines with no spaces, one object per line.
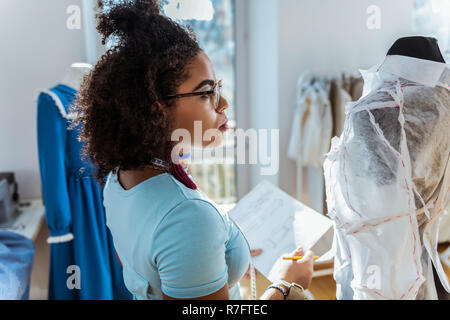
{"x":188,"y":249}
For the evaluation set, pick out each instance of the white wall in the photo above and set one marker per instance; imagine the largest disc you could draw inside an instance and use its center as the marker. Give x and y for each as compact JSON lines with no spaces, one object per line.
{"x":323,"y":37}
{"x":263,"y":75}
{"x":37,"y":50}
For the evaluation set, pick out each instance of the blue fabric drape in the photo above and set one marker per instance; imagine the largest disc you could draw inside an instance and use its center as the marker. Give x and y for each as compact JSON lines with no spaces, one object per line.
{"x":16,"y":262}
{"x":74,"y":204}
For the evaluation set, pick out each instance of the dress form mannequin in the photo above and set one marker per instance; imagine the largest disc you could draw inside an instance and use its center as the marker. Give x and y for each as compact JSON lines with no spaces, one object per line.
{"x":75,"y":74}
{"x":407,"y":88}
{"x":428,"y":49}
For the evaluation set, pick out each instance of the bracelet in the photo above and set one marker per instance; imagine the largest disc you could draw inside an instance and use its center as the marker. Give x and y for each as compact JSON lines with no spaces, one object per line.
{"x":287,"y":284}
{"x":278,"y":288}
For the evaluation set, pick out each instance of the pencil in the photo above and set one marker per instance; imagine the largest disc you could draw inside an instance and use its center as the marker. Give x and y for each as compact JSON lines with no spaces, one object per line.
{"x":298,"y":258}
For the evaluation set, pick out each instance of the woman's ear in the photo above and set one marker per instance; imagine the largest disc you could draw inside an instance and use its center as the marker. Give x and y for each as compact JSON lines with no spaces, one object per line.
{"x":162,"y":108}
{"x":166,"y":112}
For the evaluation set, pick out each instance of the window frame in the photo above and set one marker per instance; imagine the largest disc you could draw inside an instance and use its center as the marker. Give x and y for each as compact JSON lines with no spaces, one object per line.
{"x":242,"y":110}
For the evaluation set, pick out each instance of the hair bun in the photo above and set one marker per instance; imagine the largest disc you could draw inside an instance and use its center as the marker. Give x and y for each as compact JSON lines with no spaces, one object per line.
{"x":120,"y":18}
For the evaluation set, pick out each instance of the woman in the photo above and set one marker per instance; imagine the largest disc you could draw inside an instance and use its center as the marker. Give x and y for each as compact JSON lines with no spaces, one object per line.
{"x":172,"y":241}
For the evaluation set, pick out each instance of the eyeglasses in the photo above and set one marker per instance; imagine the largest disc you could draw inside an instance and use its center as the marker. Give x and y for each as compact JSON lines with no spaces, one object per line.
{"x":215,"y":92}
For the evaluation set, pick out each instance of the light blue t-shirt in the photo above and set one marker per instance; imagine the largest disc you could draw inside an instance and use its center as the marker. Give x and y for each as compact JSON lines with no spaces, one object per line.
{"x":173,"y":239}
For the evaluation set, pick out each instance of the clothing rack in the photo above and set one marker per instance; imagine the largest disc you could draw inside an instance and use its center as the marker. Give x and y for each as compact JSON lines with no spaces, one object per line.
{"x":318,"y":116}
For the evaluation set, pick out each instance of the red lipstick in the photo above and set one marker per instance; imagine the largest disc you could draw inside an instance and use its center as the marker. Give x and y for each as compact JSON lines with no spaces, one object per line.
{"x":224,"y":127}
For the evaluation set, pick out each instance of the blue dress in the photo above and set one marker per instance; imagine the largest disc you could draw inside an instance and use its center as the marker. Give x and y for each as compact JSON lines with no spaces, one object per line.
{"x":86,"y":266}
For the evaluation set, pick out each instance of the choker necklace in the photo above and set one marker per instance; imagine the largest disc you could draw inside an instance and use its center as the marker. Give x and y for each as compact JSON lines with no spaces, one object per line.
{"x":159,"y":164}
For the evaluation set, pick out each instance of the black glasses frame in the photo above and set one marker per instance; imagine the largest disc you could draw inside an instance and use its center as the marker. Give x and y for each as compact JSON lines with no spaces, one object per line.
{"x":216,"y":90}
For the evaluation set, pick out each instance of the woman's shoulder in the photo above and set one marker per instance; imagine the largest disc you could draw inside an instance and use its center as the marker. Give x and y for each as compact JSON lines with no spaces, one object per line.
{"x":193,"y":207}
{"x":162,"y":192}
{"x":190,"y":224}
{"x":198,"y":208}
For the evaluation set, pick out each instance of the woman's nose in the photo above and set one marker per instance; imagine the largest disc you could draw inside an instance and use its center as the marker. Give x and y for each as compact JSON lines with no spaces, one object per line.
{"x":223,"y":105}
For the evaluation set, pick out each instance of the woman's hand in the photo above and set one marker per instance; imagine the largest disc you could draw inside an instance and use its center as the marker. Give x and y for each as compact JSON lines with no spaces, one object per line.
{"x":253,"y":253}
{"x":298,"y":271}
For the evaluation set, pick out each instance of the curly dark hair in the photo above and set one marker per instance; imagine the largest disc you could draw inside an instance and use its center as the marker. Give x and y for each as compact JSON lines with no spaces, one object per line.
{"x":118,"y":105}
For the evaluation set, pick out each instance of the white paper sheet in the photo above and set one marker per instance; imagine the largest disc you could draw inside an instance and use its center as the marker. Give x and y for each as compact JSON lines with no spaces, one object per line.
{"x":275,"y":222}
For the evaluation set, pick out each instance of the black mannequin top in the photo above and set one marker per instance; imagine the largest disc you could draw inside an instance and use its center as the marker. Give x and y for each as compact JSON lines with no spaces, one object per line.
{"x":417,"y":47}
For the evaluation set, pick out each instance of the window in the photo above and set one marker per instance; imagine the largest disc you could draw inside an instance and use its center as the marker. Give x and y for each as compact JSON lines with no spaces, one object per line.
{"x":432,"y":18}
{"x":213,"y":21}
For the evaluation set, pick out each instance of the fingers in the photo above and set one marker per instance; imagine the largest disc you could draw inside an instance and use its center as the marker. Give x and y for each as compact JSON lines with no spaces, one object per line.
{"x":309,"y":254}
{"x":298,"y":251}
{"x":308,"y":257}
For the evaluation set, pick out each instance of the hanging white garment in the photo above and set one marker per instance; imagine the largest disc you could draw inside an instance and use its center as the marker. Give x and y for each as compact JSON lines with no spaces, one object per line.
{"x":342,"y":98}
{"x":388,"y":181}
{"x":311,"y":127}
{"x":444,"y":227}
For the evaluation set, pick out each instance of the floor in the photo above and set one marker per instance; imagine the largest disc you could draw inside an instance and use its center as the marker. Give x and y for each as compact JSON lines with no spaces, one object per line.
{"x":40,"y":271}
